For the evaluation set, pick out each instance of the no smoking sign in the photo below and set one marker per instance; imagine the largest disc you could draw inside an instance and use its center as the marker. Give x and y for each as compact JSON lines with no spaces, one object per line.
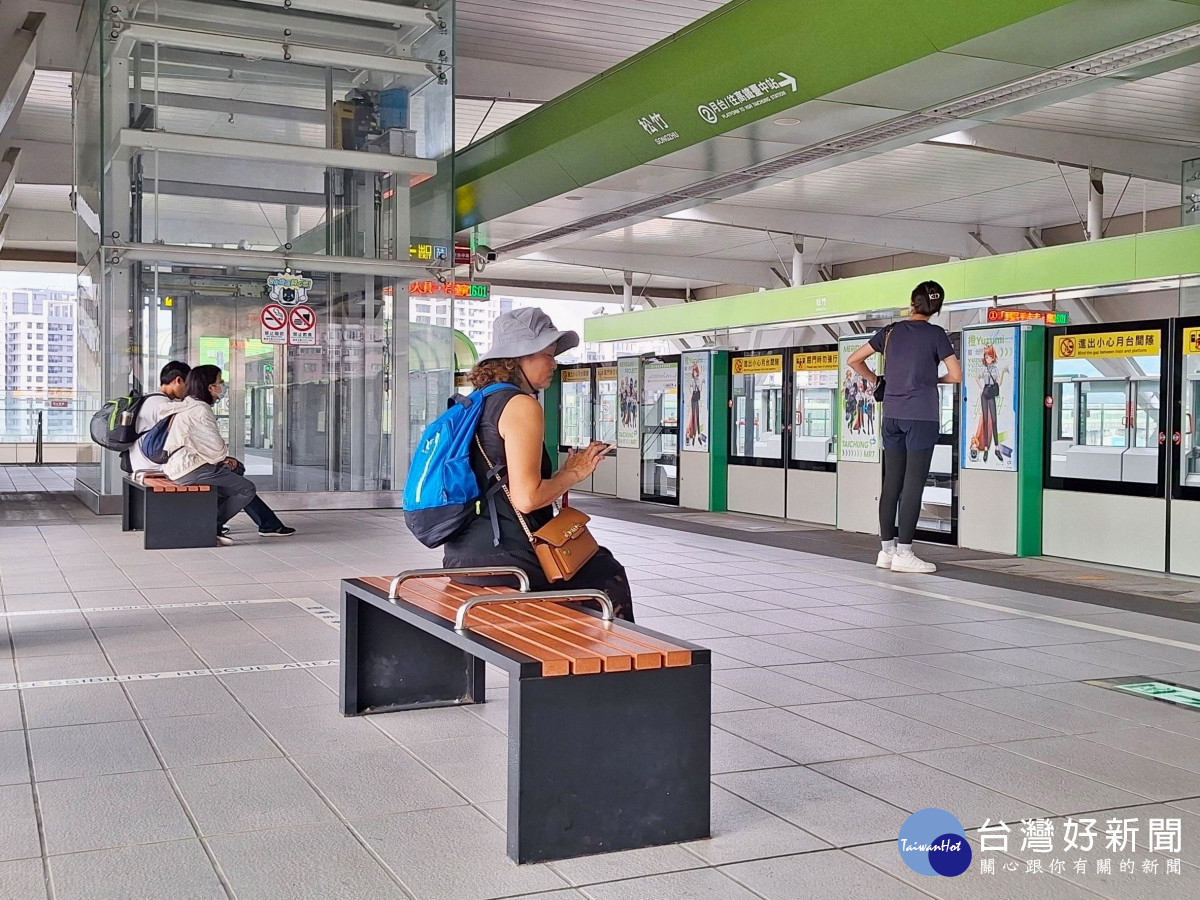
{"x":302,"y":326}
{"x":274,"y":319}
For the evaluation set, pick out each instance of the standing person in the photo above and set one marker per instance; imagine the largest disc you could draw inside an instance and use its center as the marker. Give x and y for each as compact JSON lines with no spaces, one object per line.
{"x":914,"y":349}
{"x":510,"y":431}
{"x":199,"y":455}
{"x":170,"y":390}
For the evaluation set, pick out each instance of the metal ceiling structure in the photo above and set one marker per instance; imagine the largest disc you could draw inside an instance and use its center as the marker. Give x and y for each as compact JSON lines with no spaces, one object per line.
{"x":965,"y":188}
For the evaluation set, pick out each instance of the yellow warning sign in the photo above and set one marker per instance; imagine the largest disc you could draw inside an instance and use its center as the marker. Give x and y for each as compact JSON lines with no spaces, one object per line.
{"x":815,"y":362}
{"x":1191,"y":342}
{"x":1107,"y":345}
{"x":608,"y":373}
{"x":758,"y":365}
{"x":576,"y":376}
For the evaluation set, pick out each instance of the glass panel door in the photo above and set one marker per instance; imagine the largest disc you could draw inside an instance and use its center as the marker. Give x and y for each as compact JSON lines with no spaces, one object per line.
{"x":314,"y":415}
{"x":1189,"y":458}
{"x":660,"y":430}
{"x":575,"y":423}
{"x":938,"y":521}
{"x":606,"y":405}
{"x":1106,"y":428}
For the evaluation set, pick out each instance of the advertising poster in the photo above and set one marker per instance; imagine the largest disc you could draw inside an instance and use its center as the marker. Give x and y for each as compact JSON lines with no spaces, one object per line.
{"x":697,"y":369}
{"x":990,"y":394}
{"x":627,"y":402}
{"x":860,"y":418}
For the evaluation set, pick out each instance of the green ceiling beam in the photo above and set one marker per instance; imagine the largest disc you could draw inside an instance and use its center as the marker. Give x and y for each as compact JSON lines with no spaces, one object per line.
{"x":827,"y":46}
{"x":1156,"y":254}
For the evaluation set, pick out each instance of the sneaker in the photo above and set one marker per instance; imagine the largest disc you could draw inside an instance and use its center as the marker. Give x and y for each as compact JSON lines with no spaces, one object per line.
{"x":281,"y":531}
{"x":223,"y":530}
{"x":884,"y":560}
{"x":911,"y":564}
{"x":224,"y":541}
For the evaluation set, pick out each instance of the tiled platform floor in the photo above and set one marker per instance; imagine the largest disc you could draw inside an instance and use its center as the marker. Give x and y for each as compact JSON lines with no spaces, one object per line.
{"x":36,"y":479}
{"x":844,"y":699}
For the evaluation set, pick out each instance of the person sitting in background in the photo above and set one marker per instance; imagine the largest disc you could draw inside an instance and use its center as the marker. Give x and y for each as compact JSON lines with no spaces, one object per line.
{"x":199,"y":455}
{"x":171,"y":388}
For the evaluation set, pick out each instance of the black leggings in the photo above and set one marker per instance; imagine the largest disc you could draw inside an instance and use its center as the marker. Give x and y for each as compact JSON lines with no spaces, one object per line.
{"x":602,"y":573}
{"x":904,"y":476}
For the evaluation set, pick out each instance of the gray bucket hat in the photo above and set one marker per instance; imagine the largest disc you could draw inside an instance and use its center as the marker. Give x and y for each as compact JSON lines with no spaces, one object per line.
{"x":523,"y":332}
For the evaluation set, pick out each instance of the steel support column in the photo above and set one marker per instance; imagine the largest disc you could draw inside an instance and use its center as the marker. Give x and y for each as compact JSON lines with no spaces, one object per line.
{"x":1095,"y":212}
{"x":797,"y":261}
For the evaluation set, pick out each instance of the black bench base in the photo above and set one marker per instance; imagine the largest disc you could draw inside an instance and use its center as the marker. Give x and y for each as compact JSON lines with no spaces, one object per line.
{"x":596,"y":763}
{"x":169,"y":520}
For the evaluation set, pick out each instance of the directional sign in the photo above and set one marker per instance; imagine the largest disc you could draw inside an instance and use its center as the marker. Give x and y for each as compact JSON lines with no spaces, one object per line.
{"x":274,"y":320}
{"x":302,"y":325}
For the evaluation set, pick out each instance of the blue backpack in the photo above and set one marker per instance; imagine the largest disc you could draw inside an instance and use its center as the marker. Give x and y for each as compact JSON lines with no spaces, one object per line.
{"x":153,"y":443}
{"x":442,"y":493}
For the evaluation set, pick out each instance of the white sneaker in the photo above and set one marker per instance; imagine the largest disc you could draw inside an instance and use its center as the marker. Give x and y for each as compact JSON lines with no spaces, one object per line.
{"x":911,"y":564}
{"x":224,"y":541}
{"x":884,"y":560}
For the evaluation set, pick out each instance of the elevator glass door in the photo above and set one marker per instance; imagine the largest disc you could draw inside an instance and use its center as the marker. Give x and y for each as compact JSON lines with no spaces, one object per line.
{"x":308,"y":416}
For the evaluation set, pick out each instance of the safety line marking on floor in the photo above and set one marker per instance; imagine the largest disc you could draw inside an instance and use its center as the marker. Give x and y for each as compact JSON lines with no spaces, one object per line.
{"x":160,"y":676}
{"x":135,"y":606}
{"x":1024,"y":613}
{"x":326,"y":615}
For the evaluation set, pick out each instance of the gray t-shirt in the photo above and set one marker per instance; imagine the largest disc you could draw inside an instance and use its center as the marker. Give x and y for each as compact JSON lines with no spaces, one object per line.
{"x":914,"y":351}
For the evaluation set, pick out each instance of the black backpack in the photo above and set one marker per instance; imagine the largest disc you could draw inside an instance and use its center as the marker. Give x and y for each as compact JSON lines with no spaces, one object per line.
{"x":114,"y":425}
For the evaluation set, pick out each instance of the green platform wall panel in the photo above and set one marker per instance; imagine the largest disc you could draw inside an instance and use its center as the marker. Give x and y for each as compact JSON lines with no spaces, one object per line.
{"x":1156,"y":254}
{"x":1161,"y":258}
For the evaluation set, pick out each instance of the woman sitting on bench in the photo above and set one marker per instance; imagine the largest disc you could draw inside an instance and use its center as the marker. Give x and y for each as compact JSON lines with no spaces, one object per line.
{"x":199,"y":455}
{"x":524,"y":344}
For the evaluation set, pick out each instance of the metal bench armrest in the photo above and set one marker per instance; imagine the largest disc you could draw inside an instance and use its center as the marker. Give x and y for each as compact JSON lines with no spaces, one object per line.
{"x":521,"y":576}
{"x":460,"y":621}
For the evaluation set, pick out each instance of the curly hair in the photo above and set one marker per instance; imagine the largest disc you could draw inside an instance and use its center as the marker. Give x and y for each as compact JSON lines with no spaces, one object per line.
{"x":495,"y":371}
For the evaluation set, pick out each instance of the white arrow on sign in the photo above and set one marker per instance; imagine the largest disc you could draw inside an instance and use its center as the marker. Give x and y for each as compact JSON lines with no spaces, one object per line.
{"x":788,"y":81}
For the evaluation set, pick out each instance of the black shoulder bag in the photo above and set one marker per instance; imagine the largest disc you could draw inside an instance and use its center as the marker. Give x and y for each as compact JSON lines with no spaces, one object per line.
{"x":881,"y":382}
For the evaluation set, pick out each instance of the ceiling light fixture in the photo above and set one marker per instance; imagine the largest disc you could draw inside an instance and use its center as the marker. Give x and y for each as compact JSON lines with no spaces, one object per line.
{"x":787,"y":120}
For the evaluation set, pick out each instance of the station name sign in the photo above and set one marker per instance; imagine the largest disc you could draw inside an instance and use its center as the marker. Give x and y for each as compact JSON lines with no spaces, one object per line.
{"x":459,"y":290}
{"x":1027,"y":317}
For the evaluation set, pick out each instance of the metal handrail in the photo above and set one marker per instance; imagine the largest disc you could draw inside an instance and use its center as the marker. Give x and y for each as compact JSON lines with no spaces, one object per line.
{"x":460,"y":621}
{"x":521,"y":576}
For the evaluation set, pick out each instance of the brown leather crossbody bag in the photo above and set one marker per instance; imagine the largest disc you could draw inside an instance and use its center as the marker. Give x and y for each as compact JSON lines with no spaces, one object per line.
{"x":564,"y":545}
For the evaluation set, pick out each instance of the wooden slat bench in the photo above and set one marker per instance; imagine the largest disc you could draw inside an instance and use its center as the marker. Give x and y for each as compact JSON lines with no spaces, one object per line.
{"x":170,"y":516}
{"x":608,"y":722}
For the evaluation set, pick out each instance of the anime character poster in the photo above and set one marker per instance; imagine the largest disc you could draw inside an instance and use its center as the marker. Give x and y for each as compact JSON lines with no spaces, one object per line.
{"x":991,"y":389}
{"x":860,"y":416}
{"x":628,"y":389}
{"x":696,"y":372}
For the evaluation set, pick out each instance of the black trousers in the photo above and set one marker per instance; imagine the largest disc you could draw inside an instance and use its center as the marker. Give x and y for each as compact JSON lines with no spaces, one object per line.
{"x":602,"y":573}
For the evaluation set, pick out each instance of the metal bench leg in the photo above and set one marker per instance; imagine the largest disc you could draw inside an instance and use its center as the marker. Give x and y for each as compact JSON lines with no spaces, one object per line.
{"x":389,"y":665}
{"x":180,"y":520}
{"x":606,"y":762}
{"x":133,"y":507}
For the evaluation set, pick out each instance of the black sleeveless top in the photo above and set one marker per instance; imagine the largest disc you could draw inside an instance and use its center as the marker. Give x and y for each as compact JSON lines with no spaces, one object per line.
{"x":474,"y":545}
